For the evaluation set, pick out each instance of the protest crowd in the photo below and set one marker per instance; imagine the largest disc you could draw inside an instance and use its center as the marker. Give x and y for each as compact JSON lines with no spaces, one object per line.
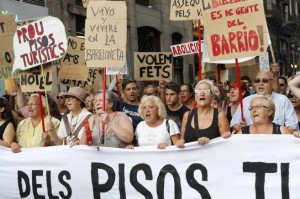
{"x":159,"y":115}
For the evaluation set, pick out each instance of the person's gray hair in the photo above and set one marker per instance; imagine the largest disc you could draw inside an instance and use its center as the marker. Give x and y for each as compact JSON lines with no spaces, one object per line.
{"x":110,"y":96}
{"x":162,"y":112}
{"x":44,"y":101}
{"x":207,"y":82}
{"x":268,"y":102}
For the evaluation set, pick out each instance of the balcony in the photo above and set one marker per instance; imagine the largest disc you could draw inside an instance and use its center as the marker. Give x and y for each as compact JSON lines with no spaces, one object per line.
{"x":273,"y":12}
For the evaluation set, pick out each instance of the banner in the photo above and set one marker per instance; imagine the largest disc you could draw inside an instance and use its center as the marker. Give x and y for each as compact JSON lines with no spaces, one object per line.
{"x":243,"y":166}
{"x":73,"y":63}
{"x":106,"y":34}
{"x":39,"y":42}
{"x":236,"y":31}
{"x":153,"y":66}
{"x":8,"y":28}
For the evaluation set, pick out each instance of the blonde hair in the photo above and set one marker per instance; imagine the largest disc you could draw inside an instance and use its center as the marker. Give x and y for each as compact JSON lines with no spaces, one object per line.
{"x":268,"y":102}
{"x":162,"y":112}
{"x":207,"y":82}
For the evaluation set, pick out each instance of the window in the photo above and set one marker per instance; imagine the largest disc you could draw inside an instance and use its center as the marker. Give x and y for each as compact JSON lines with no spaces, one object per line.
{"x":35,"y":2}
{"x":148,"y":39}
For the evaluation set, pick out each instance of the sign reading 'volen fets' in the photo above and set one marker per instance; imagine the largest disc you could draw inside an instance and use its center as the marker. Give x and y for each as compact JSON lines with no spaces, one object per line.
{"x":8,"y":28}
{"x":34,"y":80}
{"x":73,"y":63}
{"x":153,"y":66}
{"x":105,"y":36}
{"x":39,"y":42}
{"x":236,"y":31}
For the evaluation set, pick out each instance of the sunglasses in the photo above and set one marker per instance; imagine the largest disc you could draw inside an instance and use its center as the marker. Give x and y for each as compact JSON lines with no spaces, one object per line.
{"x":205,"y":91}
{"x":291,"y":95}
{"x":263,"y":80}
{"x":59,"y":97}
{"x":281,"y":85}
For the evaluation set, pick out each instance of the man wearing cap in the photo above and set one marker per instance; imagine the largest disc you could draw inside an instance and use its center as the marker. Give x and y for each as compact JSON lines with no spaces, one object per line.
{"x":71,"y":126}
{"x":285,"y":114}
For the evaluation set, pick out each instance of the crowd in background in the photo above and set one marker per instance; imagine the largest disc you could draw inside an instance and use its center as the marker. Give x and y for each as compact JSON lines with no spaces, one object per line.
{"x":157,"y":115}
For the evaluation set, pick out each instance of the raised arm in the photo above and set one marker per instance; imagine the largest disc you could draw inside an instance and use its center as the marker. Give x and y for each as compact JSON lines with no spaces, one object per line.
{"x":294,"y":85}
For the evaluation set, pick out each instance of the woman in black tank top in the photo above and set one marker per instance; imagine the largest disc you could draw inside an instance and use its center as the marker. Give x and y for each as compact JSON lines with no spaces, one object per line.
{"x":262,"y":110}
{"x":7,"y":123}
{"x":204,"y":122}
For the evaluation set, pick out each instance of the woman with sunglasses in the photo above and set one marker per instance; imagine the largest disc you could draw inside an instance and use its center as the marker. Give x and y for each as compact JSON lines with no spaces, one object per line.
{"x":7,"y":123}
{"x":61,"y":103}
{"x":187,"y":95}
{"x":296,"y":103}
{"x":262,"y":110}
{"x":118,"y":130}
{"x":205,"y":122}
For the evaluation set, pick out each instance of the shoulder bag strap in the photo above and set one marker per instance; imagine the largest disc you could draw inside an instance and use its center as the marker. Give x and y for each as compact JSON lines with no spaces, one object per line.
{"x":67,"y":124}
{"x":81,"y":125}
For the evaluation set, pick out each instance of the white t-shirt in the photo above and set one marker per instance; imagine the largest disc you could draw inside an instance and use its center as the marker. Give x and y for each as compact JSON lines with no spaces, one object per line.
{"x":62,"y":132}
{"x":152,"y":136}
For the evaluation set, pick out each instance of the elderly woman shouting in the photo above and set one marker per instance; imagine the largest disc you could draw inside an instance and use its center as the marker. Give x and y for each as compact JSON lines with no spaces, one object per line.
{"x":205,"y":122}
{"x":262,"y":111}
{"x":118,"y":130}
{"x":29,"y":131}
{"x":155,"y":130}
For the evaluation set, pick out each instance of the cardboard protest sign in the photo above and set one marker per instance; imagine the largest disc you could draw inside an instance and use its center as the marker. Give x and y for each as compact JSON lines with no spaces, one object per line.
{"x":236,"y":31}
{"x":39,"y":42}
{"x":186,"y":48}
{"x":153,"y":66}
{"x":34,"y":80}
{"x":106,"y":34}
{"x":6,"y":73}
{"x":73,"y":63}
{"x":264,"y":64}
{"x":117,"y":71}
{"x":8,"y":28}
{"x":93,"y":77}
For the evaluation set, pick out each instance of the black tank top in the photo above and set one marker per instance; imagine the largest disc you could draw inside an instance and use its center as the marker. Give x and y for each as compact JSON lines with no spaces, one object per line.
{"x":276,"y":129}
{"x":193,"y":134}
{"x":2,"y":128}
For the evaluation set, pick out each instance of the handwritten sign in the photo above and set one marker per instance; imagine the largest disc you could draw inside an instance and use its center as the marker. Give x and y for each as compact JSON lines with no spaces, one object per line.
{"x":153,"y":66}
{"x":106,"y":34}
{"x":92,"y":77}
{"x":264,"y":64}
{"x":8,"y":28}
{"x":39,"y":42}
{"x":73,"y":63}
{"x":34,"y":80}
{"x":117,"y":71}
{"x":6,"y":73}
{"x":186,"y":48}
{"x":194,"y":9}
{"x":236,"y":31}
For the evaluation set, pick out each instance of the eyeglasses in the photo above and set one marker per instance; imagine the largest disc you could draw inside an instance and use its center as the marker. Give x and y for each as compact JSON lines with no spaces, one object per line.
{"x":257,"y":107}
{"x":263,"y":80}
{"x":89,"y":101}
{"x":291,"y":95}
{"x":281,"y":85}
{"x":205,"y":91}
{"x":59,"y":97}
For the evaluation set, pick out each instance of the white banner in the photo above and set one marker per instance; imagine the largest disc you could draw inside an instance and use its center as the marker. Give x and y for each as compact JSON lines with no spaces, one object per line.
{"x":243,"y":166}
